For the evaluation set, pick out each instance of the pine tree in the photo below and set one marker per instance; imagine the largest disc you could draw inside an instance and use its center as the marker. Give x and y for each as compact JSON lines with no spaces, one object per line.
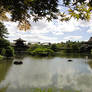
{"x":3,"y":31}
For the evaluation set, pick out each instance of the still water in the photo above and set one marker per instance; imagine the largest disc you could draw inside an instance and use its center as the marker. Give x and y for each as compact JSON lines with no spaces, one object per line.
{"x":54,"y":72}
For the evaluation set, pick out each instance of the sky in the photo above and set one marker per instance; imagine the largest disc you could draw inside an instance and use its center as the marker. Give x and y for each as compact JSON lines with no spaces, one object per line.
{"x":54,"y":31}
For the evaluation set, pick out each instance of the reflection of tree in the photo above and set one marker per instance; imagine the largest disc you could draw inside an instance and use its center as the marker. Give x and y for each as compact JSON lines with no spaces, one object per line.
{"x":51,"y":90}
{"x":4,"y":67}
{"x":71,"y":55}
{"x":3,"y":89}
{"x":90,"y":63}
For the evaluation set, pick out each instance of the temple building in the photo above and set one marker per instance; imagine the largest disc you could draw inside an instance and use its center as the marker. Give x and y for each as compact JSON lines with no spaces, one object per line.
{"x":20,"y":45}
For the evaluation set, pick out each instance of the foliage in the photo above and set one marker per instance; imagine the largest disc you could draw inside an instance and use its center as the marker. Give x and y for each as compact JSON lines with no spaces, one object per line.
{"x":1,"y":57}
{"x":5,"y":48}
{"x":3,"y":51}
{"x":3,"y":31}
{"x":54,"y":47}
{"x":79,"y":9}
{"x":23,"y":10}
{"x":34,"y":46}
{"x":42,"y":52}
{"x":68,"y":46}
{"x":9,"y":52}
{"x":3,"y":44}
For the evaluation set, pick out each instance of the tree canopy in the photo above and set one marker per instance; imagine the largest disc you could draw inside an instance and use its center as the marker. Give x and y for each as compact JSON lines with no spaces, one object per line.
{"x":3,"y":31}
{"x":23,"y":10}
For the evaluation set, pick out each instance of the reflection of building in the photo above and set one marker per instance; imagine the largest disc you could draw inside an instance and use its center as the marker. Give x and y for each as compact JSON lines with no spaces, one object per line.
{"x":20,"y":45}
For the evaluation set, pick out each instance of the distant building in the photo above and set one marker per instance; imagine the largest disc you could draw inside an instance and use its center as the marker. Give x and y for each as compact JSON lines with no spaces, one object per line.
{"x":46,"y":43}
{"x":34,"y":43}
{"x":39,"y":43}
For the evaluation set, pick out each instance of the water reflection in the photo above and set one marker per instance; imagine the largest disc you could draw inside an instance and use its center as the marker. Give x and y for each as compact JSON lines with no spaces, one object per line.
{"x":90,"y":63}
{"x":48,"y":73}
{"x":4,"y":67}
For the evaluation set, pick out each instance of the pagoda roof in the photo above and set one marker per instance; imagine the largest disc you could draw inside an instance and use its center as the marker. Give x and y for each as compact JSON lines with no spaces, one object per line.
{"x":20,"y":40}
{"x":90,"y":40}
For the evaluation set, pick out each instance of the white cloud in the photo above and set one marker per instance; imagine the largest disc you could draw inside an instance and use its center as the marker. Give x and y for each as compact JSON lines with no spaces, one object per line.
{"x":87,"y":24}
{"x":45,"y":31}
{"x":36,"y":34}
{"x":90,"y":30}
{"x":39,"y":38}
{"x":73,"y":38}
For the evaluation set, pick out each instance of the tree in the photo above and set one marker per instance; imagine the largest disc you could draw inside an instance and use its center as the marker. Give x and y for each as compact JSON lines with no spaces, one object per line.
{"x":54,"y":47}
{"x":5,"y":48}
{"x":3,"y":31}
{"x":41,"y":52}
{"x":9,"y":52}
{"x":3,"y":52}
{"x":23,"y":10}
{"x":79,"y":9}
{"x":4,"y":43}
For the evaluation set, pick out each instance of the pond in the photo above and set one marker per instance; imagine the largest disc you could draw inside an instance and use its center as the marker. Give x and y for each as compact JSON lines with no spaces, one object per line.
{"x":41,"y":74}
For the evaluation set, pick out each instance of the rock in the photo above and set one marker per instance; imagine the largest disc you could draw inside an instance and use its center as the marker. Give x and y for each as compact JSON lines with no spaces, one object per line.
{"x":69,"y":60}
{"x":18,"y":62}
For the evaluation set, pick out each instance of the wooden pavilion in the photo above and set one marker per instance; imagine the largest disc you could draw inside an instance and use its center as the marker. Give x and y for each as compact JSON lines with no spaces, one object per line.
{"x":20,"y":45}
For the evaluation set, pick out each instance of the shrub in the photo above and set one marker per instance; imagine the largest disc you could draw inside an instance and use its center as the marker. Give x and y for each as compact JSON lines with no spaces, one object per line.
{"x":54,"y":47}
{"x":3,"y":44}
{"x":42,"y":52}
{"x":9,"y":51}
{"x":3,"y":52}
{"x":1,"y":57}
